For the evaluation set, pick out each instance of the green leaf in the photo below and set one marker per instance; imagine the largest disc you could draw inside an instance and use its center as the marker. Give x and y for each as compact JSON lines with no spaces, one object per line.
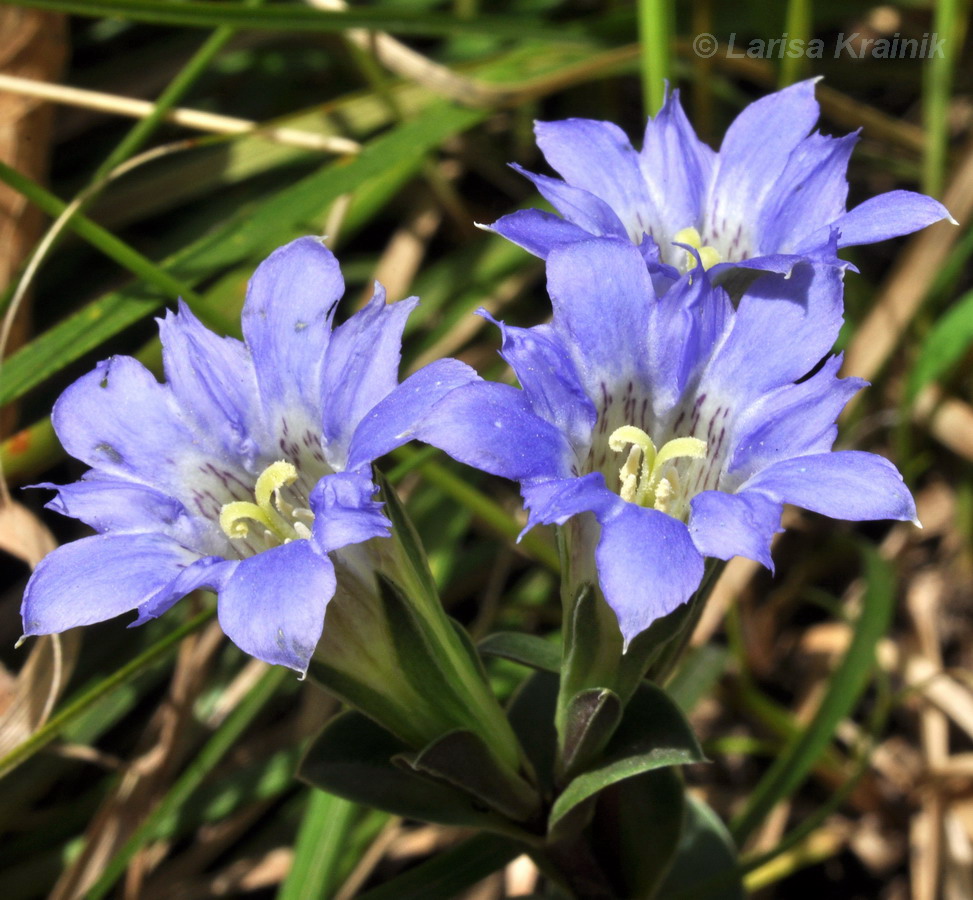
{"x":705,"y":865}
{"x":949,"y":341}
{"x":844,"y":689}
{"x":352,"y":758}
{"x":526,"y":649}
{"x":253,"y":232}
{"x":592,"y":647}
{"x":448,"y":874}
{"x":653,"y":734}
{"x":531,"y":714}
{"x":464,"y":760}
{"x":592,"y":717}
{"x":636,"y":828}
{"x":327,"y":824}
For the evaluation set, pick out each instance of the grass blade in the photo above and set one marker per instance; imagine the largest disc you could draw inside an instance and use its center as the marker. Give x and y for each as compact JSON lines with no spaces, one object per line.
{"x":845,"y":687}
{"x":327,"y":823}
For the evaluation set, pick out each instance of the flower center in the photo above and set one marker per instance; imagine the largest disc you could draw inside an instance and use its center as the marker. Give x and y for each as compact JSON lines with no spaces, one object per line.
{"x":709,"y":256}
{"x":279,"y":520}
{"x":650,"y":476}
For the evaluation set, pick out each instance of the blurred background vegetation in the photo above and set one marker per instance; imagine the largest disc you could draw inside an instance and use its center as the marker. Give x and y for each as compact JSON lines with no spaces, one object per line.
{"x":835,"y":699}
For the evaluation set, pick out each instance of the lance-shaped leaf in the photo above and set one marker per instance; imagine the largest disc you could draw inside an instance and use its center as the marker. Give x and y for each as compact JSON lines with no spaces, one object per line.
{"x":462,"y":759}
{"x":526,"y":649}
{"x":705,"y":863}
{"x":531,"y":714}
{"x":352,"y":758}
{"x":636,"y":829}
{"x":653,"y":734}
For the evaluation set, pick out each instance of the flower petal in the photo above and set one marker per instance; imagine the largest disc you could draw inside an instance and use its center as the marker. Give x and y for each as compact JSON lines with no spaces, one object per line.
{"x":685,"y":326}
{"x":846,"y":484}
{"x":345,"y":511}
{"x":809,"y":195}
{"x":755,"y":152}
{"x":647,"y":565}
{"x":598,"y":158}
{"x":543,"y":367}
{"x":119,"y":419}
{"x":602,"y":295}
{"x":794,"y":420}
{"x":554,"y":502}
{"x":886,"y":216}
{"x":273,"y":605}
{"x":361,"y":369}
{"x":538,"y":231}
{"x":98,"y":578}
{"x":578,"y":206}
{"x":107,"y":503}
{"x":391,"y":422}
{"x":727,"y":525}
{"x":783,"y":328}
{"x":213,"y":381}
{"x":492,"y":427}
{"x":287,"y":325}
{"x":677,"y":168}
{"x":110,"y":504}
{"x":210,"y":572}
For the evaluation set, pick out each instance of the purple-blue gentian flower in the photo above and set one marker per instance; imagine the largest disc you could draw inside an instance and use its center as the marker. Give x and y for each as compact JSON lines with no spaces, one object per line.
{"x":681,"y":423}
{"x":773,"y":196}
{"x":244,"y":470}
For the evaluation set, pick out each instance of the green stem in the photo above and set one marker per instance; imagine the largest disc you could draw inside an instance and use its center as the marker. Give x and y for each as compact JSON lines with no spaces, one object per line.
{"x":797,"y":27}
{"x":949,"y":20}
{"x":174,"y":92}
{"x":655,"y":18}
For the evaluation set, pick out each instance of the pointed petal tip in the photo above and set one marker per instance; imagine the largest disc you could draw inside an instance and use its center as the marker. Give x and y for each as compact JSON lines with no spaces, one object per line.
{"x":20,"y":641}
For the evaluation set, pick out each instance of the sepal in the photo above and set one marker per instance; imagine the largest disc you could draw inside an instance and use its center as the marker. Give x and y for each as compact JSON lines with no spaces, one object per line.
{"x":592,"y":717}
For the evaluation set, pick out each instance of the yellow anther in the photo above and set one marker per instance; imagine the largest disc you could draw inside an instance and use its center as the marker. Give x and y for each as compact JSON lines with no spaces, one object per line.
{"x":709,"y":256}
{"x":653,"y":485}
{"x":268,"y":508}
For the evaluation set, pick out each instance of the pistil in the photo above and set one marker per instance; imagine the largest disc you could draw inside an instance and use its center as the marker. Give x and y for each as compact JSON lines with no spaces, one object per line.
{"x":280,"y":520}
{"x":654,"y":483}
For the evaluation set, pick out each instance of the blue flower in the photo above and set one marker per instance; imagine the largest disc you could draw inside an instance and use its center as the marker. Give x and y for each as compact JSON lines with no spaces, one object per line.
{"x":681,"y":423}
{"x":242,"y":472}
{"x":773,"y":196}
